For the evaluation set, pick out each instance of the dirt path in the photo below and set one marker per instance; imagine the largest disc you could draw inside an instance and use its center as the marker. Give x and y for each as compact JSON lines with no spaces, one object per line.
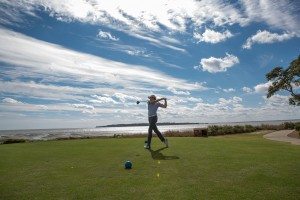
{"x":282,"y":136}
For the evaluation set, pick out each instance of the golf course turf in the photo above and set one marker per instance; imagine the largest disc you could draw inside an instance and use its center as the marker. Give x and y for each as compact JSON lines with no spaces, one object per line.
{"x":243,"y":166}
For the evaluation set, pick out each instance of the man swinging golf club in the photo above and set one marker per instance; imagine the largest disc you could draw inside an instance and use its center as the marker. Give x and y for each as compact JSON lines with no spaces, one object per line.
{"x":153,"y":105}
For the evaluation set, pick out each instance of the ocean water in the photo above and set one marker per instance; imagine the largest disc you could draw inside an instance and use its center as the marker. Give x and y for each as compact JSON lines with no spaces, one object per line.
{"x":49,"y":134}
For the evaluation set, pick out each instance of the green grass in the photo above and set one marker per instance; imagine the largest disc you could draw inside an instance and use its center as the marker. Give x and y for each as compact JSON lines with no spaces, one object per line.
{"x":225,"y":167}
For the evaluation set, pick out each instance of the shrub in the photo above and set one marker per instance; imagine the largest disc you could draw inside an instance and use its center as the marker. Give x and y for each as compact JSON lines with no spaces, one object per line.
{"x":11,"y":141}
{"x":249,"y":128}
{"x":227,"y":129}
{"x":212,"y":130}
{"x":297,"y":126}
{"x":171,"y":133}
{"x":272,"y":127}
{"x":223,"y":130}
{"x":289,"y":125}
{"x":238,"y":129}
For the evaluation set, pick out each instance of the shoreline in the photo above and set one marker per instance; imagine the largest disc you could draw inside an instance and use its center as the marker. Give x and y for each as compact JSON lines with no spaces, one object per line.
{"x":141,"y":131}
{"x":202,"y":123}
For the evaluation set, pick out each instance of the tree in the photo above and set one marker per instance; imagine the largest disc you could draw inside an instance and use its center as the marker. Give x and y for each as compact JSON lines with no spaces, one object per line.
{"x":286,"y":79}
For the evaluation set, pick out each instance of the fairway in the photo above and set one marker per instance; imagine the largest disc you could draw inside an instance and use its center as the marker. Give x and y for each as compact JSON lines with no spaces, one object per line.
{"x":223,"y":167}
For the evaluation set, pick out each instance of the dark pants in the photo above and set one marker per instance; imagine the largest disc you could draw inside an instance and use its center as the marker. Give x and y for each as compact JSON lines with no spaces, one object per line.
{"x":152,"y":126}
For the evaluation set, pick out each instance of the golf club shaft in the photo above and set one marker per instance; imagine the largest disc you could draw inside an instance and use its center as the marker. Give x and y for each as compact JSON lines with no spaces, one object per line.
{"x":138,"y":102}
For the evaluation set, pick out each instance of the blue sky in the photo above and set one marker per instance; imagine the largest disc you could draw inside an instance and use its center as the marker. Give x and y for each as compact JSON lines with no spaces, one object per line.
{"x":85,"y":63}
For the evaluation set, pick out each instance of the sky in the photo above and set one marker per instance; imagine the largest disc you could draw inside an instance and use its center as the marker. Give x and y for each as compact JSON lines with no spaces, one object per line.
{"x":81,"y":63}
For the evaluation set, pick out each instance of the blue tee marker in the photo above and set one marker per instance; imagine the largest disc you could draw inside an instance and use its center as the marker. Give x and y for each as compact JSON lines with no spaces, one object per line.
{"x":128,"y":164}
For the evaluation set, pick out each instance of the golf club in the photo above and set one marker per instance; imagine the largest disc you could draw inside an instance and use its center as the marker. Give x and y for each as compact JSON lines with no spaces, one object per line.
{"x":138,"y":102}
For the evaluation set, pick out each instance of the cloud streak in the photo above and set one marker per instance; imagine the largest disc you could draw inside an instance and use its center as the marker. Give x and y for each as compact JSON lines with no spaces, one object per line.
{"x":246,"y":89}
{"x":37,"y":58}
{"x":229,"y":90}
{"x":160,"y":26}
{"x":70,"y":81}
{"x":281,"y":15}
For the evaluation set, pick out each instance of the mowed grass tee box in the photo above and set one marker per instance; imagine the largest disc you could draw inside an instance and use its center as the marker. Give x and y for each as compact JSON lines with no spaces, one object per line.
{"x":222,"y":167}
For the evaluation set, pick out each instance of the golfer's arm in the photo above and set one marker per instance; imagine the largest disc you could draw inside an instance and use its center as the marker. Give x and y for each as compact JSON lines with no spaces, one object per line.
{"x":165,"y":103}
{"x":157,"y":100}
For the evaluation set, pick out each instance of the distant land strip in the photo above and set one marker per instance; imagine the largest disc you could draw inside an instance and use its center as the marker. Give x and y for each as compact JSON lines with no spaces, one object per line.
{"x":188,"y":123}
{"x":146,"y":124}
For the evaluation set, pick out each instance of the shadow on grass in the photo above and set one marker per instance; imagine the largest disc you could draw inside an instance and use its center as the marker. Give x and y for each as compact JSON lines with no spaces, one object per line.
{"x":157,"y":155}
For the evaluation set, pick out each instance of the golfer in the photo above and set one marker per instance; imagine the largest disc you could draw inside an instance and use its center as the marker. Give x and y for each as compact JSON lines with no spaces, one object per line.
{"x":153,"y":105}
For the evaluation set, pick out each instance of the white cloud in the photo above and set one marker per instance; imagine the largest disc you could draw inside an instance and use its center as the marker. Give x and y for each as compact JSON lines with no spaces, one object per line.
{"x":277,"y":100}
{"x":233,"y":100}
{"x":13,"y":105}
{"x":11,"y":101}
{"x":85,"y":109}
{"x":102,"y":99}
{"x":55,"y":92}
{"x":170,"y":40}
{"x":247,"y":89}
{"x":229,"y":90}
{"x":147,"y":18}
{"x":13,"y":12}
{"x":43,"y":91}
{"x":224,"y":107}
{"x":224,"y":110}
{"x":84,"y":78}
{"x":34,"y":58}
{"x":193,"y":99}
{"x":172,"y":15}
{"x":43,"y":107}
{"x":156,"y":42}
{"x":178,"y":92}
{"x":233,"y":110}
{"x":96,"y":105}
{"x":265,"y":37}
{"x":263,"y":87}
{"x":124,"y":98}
{"x":141,"y":52}
{"x":281,"y":15}
{"x":237,"y":99}
{"x":154,"y":25}
{"x":136,"y":52}
{"x":214,"y":65}
{"x":212,"y":36}
{"x":83,"y":106}
{"x":107,"y":36}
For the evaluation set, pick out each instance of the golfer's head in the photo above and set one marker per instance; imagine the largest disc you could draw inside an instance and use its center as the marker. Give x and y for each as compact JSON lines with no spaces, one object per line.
{"x":152,"y":98}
